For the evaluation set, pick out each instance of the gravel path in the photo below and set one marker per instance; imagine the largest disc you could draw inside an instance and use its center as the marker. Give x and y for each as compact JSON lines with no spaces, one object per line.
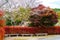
{"x":50,"y":37}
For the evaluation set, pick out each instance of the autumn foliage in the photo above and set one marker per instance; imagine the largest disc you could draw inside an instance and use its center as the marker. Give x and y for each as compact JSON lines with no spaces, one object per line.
{"x":43,"y":16}
{"x":2,"y":32}
{"x":1,"y":13}
{"x":31,"y":30}
{"x":1,"y":19}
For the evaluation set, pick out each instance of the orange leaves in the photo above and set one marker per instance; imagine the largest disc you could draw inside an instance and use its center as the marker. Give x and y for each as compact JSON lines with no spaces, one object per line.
{"x":2,"y":23}
{"x":2,"y":32}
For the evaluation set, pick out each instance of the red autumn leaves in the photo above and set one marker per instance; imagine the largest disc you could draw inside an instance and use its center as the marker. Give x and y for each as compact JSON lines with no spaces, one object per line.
{"x":42,"y":16}
{"x":2,"y":22}
{"x":2,"y":33}
{"x":21,"y":30}
{"x":31,"y":30}
{"x":1,"y":18}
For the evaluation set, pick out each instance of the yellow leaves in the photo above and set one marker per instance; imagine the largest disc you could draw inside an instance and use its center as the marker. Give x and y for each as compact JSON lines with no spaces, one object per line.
{"x":58,"y":13}
{"x":24,"y":13}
